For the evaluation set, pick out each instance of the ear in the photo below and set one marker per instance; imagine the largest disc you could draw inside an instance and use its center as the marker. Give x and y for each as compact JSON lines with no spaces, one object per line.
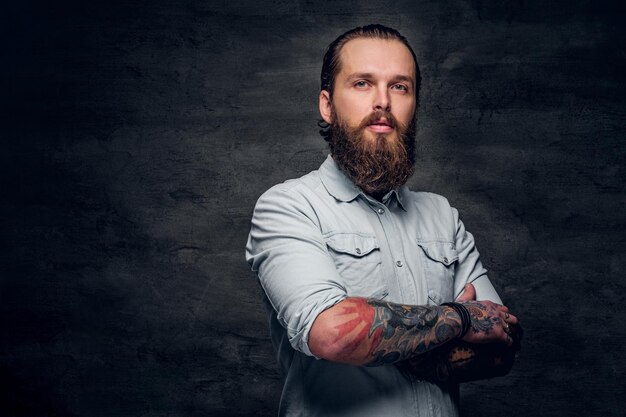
{"x":325,"y":106}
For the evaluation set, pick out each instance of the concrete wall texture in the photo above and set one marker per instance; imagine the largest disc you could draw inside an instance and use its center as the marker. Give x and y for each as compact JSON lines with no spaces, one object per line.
{"x":136,"y":138}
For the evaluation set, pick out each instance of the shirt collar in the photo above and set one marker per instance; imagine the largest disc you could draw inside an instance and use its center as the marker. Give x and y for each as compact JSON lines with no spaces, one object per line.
{"x":341,"y":188}
{"x":401,"y":193}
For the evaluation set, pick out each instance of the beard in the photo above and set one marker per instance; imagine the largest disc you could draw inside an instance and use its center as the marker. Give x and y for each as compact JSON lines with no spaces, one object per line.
{"x":379,"y":164}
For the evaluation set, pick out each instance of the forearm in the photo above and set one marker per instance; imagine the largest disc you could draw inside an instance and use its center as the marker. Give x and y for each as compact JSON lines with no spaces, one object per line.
{"x":371,"y":332}
{"x":460,"y":361}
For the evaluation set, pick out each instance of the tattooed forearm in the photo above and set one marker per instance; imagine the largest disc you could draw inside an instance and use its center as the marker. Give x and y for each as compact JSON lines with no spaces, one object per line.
{"x":372,"y":332}
{"x":403,"y":331}
{"x":460,"y":361}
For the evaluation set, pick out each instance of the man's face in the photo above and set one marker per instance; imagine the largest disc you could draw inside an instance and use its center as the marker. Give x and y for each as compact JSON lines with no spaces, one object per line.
{"x":376,"y":76}
{"x":372,"y":114}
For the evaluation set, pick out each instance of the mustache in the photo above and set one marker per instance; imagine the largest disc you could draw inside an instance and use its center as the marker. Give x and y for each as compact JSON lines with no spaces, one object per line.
{"x":376,"y":116}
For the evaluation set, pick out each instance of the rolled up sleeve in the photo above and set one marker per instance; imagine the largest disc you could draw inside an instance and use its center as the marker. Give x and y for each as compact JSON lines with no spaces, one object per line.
{"x":470,"y":269}
{"x":287,"y":252}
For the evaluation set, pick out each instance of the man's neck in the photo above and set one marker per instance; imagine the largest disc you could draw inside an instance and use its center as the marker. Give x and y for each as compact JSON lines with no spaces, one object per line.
{"x":378,"y":196}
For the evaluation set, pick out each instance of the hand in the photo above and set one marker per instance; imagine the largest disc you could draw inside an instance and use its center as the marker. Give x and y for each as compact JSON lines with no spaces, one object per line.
{"x":469,"y":294}
{"x":490,"y":322}
{"x":460,"y":361}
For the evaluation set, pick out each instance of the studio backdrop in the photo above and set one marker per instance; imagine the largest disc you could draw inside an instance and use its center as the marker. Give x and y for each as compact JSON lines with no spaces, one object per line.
{"x":137,"y":136}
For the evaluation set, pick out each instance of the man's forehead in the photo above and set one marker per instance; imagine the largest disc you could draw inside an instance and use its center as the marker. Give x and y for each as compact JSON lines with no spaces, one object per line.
{"x":370,"y":55}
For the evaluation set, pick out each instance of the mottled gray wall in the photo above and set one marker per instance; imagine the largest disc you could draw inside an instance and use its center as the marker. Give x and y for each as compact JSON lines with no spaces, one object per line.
{"x":136,"y":139}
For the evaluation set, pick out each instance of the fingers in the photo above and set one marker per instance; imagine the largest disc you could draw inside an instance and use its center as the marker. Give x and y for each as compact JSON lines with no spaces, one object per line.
{"x":511,"y":319}
{"x":505,"y":314}
{"x":504,"y":333}
{"x":510,"y":327}
{"x":468,"y":294}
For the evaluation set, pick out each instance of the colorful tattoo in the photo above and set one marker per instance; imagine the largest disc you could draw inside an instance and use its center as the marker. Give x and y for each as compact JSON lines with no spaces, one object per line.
{"x":483,"y":319}
{"x":383,"y":333}
{"x":460,"y":361}
{"x":409,"y":330}
{"x":354,"y":328}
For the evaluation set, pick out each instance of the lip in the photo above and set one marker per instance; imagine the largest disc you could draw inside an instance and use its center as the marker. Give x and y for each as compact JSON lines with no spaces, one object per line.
{"x":380,"y":126}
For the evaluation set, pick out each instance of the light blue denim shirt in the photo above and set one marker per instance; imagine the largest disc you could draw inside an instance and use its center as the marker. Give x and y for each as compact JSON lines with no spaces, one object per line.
{"x":319,"y":239}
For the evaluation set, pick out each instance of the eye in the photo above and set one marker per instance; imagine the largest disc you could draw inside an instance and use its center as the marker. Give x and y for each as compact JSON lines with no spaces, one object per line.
{"x":360,"y":84}
{"x":400,"y":87}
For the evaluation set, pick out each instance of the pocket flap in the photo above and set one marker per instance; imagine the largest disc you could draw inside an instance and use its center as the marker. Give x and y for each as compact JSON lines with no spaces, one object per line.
{"x":444,"y":252}
{"x":352,"y":244}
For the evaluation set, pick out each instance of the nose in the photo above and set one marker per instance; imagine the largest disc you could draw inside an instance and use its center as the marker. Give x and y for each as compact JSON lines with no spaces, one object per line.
{"x":382,"y":100}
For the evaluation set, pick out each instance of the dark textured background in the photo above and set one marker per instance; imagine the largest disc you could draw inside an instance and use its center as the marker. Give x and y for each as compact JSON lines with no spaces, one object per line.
{"x":136,"y":139}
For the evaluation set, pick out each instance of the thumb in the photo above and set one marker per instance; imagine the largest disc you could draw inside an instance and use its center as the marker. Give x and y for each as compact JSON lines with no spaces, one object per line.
{"x":469,"y":294}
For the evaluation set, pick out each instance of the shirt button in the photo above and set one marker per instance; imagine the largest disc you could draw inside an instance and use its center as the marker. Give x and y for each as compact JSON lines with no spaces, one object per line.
{"x":399,"y":264}
{"x":381,"y":211}
{"x":358,"y":251}
{"x":445,"y":260}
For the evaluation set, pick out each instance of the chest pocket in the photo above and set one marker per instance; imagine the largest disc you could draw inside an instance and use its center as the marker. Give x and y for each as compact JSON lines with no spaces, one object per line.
{"x":357,"y":259}
{"x":439,"y":260}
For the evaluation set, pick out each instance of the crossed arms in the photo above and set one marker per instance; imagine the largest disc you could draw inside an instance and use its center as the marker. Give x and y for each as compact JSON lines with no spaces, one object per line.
{"x":423,"y":340}
{"x":287,"y":250}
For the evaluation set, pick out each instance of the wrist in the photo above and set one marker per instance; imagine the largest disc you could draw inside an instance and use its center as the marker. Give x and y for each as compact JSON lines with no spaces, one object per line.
{"x":464,"y":315}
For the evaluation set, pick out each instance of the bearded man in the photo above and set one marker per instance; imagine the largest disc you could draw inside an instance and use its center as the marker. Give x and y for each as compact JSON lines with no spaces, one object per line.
{"x":378,"y":302}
